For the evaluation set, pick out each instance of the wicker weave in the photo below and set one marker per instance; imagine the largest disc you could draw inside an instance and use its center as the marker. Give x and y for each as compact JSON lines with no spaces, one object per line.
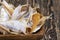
{"x":37,"y":36}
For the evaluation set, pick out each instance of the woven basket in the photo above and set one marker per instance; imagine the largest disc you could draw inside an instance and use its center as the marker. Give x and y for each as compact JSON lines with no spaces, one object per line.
{"x":37,"y":36}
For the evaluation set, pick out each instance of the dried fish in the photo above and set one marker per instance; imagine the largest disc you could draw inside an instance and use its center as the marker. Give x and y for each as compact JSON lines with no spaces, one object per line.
{"x":40,"y":23}
{"x":17,"y":13}
{"x":35,"y":20}
{"x":20,"y":18}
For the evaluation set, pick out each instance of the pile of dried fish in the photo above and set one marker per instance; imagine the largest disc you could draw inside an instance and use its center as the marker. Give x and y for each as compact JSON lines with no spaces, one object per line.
{"x":16,"y":20}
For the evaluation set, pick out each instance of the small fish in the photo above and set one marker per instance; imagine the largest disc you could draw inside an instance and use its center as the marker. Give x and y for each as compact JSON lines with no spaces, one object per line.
{"x":35,"y":21}
{"x":17,"y":13}
{"x":40,"y":24}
